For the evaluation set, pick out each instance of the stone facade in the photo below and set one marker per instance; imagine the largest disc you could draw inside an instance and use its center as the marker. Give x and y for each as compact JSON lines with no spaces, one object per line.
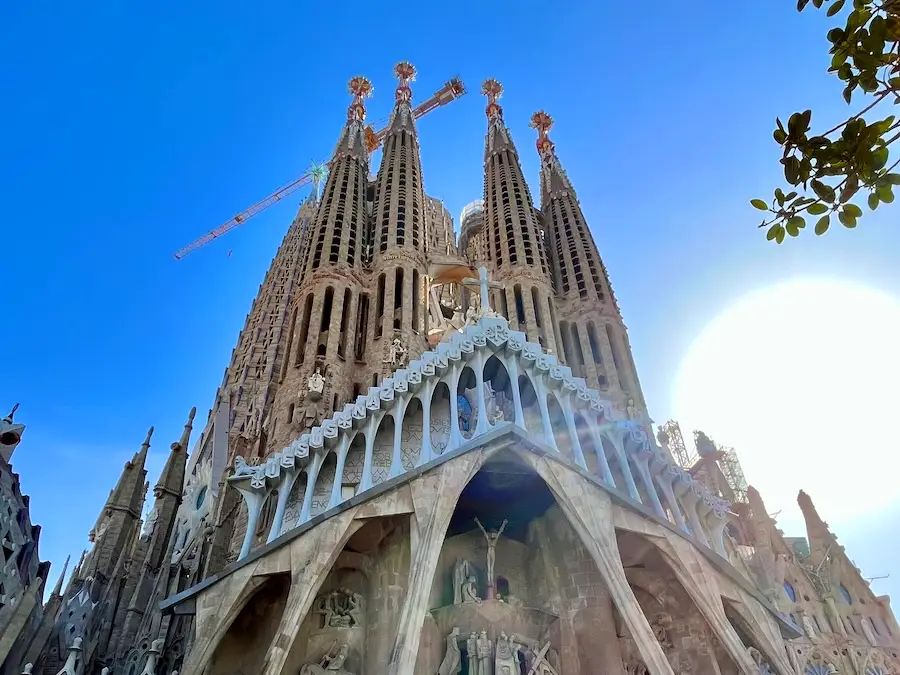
{"x":432,"y":455}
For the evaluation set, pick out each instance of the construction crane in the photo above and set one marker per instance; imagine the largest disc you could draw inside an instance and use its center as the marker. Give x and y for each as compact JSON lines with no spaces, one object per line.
{"x":451,"y":91}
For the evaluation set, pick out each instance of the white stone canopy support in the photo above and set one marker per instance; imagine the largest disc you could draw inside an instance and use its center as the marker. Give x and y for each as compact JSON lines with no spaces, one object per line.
{"x":688,"y":504}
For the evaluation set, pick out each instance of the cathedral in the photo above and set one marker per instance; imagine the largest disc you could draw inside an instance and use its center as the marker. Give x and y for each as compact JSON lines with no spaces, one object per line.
{"x":430,"y":454}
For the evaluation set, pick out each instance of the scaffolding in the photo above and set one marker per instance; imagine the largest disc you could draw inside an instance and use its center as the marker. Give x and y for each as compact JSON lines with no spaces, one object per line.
{"x":703,"y":457}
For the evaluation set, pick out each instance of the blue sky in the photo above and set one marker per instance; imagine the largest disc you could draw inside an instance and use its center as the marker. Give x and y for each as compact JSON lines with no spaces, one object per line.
{"x":132,"y":128}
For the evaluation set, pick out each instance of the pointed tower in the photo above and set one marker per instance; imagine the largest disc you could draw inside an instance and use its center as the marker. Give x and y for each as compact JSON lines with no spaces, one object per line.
{"x":154,"y":544}
{"x":513,"y":232}
{"x":398,"y":237}
{"x":593,"y":337}
{"x":259,"y":360}
{"x":319,"y":349}
{"x":119,"y":519}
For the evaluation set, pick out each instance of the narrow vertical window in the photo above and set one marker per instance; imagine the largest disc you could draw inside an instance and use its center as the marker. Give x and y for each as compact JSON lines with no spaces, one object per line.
{"x":304,"y":330}
{"x":379,"y":304}
{"x":415,"y":301}
{"x":520,"y":304}
{"x":398,"y":299}
{"x":345,"y":314}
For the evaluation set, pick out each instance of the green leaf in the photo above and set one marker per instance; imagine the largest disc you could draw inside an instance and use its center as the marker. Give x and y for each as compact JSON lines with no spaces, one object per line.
{"x":847,"y":220}
{"x":894,"y":178}
{"x":822,"y":224}
{"x":773,"y":231}
{"x":779,"y":136}
{"x":873,"y":201}
{"x":848,"y":92}
{"x":885,"y":194}
{"x":791,"y":170}
{"x":759,"y":204}
{"x":853,"y":210}
{"x":801,"y":5}
{"x":835,"y":8}
{"x":823,"y":191}
{"x":779,"y":235}
{"x":879,"y":158}
{"x":817,"y":209}
{"x":779,"y":196}
{"x":798,"y":222}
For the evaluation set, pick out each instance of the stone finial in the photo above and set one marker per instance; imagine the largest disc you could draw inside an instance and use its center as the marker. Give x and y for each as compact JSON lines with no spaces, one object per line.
{"x":9,"y":418}
{"x":69,"y":666}
{"x":27,"y":669}
{"x":152,"y":657}
{"x":57,"y":590}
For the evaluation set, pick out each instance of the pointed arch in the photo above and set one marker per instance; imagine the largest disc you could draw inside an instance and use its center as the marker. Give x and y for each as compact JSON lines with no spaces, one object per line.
{"x":440,"y":418}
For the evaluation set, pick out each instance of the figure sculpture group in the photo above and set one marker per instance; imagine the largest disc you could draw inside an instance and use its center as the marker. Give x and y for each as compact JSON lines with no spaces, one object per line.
{"x":508,"y":655}
{"x":341,"y":608}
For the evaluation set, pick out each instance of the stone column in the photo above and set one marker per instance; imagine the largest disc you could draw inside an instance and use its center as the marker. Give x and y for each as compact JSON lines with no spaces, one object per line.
{"x":399,"y":412}
{"x":365,"y":482}
{"x":434,"y":495}
{"x":512,"y":368}
{"x":568,"y":410}
{"x":339,"y":471}
{"x":482,"y":424}
{"x":254,"y":499}
{"x":540,"y":388}
{"x":284,"y":490}
{"x":601,"y":456}
{"x":312,"y":473}
{"x":425,"y":453}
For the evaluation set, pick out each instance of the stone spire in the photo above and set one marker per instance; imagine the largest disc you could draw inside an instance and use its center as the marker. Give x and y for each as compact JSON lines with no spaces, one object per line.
{"x":120,"y":517}
{"x":57,"y":589}
{"x":513,"y":231}
{"x":171,"y":480}
{"x":822,"y":542}
{"x":335,"y":236}
{"x":398,"y":217}
{"x":595,"y":343}
{"x":10,"y":434}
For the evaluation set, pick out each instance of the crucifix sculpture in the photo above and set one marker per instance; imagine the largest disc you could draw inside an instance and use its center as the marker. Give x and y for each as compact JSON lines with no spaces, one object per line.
{"x":491,"y":538}
{"x":484,"y":284}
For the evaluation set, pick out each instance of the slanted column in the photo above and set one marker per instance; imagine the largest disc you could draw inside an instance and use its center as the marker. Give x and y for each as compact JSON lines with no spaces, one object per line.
{"x":601,"y":457}
{"x":372,"y":423}
{"x":630,"y":485}
{"x":689,"y":500}
{"x":254,"y":500}
{"x":664,"y":481}
{"x":569,"y":412}
{"x":512,"y":368}
{"x":397,"y":455}
{"x":540,"y":388}
{"x":312,"y":473}
{"x":641,"y":459}
{"x":426,"y":453}
{"x":455,"y":439}
{"x":716,"y":523}
{"x":284,"y":491}
{"x":482,"y":425}
{"x":339,"y":471}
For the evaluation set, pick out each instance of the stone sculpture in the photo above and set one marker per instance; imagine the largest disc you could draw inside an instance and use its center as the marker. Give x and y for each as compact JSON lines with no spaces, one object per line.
{"x":462,"y":570}
{"x":342,"y":608}
{"x":452,"y":662}
{"x":329,"y":665}
{"x":241,"y":468}
{"x":491,"y":538}
{"x":469,"y":592}
{"x":472,"y":652}
{"x":484,"y":651}
{"x":505,"y":656}
{"x":396,"y":354}
{"x":315,"y":385}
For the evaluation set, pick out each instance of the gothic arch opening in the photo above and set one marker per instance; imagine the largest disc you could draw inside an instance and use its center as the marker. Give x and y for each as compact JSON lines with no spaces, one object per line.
{"x":383,"y":451}
{"x":687,"y":639}
{"x":498,"y":392}
{"x":355,"y":612}
{"x":440,"y":418}
{"x":530,"y":406}
{"x":324,"y":482}
{"x":353,"y":466}
{"x":586,"y":438}
{"x":243,"y":647}
{"x":411,"y":439}
{"x":467,"y":402}
{"x":560,"y":428}
{"x":512,"y":564}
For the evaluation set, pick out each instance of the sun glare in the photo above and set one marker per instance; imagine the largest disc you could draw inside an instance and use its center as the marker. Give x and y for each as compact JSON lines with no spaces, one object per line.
{"x":803,"y":379}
